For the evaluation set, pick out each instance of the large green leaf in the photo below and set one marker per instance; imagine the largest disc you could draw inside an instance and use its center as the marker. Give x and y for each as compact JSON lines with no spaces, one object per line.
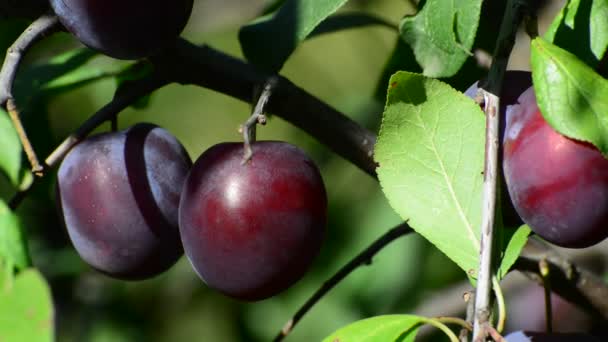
{"x":270,"y":40}
{"x":13,"y":246}
{"x":581,"y":27}
{"x":386,"y":328}
{"x":430,"y":151}
{"x":572,"y":97}
{"x":10,"y":149}
{"x":442,"y":34}
{"x":26,"y":309}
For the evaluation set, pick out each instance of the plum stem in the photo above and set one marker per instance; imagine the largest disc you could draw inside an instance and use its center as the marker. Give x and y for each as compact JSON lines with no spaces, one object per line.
{"x":257,"y":117}
{"x":44,"y":25}
{"x":544,"y":269}
{"x":500,"y":302}
{"x":361,"y":259}
{"x":514,"y":13}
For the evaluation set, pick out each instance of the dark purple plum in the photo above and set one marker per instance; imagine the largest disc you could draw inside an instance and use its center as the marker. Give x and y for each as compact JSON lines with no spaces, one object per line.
{"x":122,"y":29}
{"x":119,"y":196}
{"x":252,"y":230}
{"x":559,"y":186}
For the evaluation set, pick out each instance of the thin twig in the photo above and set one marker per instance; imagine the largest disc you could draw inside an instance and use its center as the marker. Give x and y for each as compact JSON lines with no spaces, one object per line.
{"x":13,"y":112}
{"x":545,"y":271}
{"x":469,"y":298}
{"x":500,"y":302}
{"x":41,"y":27}
{"x":362,"y":258}
{"x":506,"y":38}
{"x":257,"y":117}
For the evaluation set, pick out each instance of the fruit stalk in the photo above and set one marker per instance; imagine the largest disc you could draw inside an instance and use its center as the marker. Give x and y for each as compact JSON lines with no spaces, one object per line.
{"x":44,"y":25}
{"x":514,"y":14}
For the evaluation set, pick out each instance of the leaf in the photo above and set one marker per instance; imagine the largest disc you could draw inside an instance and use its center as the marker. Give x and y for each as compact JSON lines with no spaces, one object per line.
{"x":270,"y":40}
{"x":430,"y":151}
{"x":13,"y":246}
{"x":581,"y":28}
{"x":442,"y":35}
{"x":513,"y":249}
{"x":10,"y":149}
{"x":571,"y":96}
{"x":381,"y":328}
{"x":26,"y":313}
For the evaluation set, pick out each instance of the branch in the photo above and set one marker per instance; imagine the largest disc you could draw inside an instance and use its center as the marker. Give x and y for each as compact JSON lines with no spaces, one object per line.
{"x":363,"y":258}
{"x":44,"y":25}
{"x":506,"y":39}
{"x":209,"y":68}
{"x":571,"y":282}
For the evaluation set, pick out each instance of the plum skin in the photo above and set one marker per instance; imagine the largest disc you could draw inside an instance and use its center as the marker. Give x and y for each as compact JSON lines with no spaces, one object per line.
{"x":129,"y":29}
{"x":558,"y":186}
{"x":252,"y":230}
{"x":119,"y":196}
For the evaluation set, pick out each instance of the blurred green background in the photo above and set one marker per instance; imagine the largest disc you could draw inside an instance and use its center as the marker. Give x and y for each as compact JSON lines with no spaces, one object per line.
{"x":343,"y":69}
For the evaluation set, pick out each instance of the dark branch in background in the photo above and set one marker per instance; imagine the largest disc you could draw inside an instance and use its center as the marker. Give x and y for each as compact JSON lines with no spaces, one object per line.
{"x":362,"y":258}
{"x":571,"y":282}
{"x":209,"y":68}
{"x":43,"y":26}
{"x":513,"y":17}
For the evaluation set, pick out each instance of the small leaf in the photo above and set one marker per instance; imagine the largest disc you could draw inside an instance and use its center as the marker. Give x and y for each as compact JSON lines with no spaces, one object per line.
{"x":13,"y":246}
{"x":26,"y":313}
{"x":270,"y":40}
{"x":511,"y":251}
{"x":581,"y":28}
{"x":430,"y":151}
{"x":442,"y":35}
{"x":571,"y":96}
{"x":10,"y":149}
{"x":402,"y":328}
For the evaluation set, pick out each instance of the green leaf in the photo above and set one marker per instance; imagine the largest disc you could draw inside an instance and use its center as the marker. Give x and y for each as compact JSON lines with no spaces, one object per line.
{"x":26,"y":312}
{"x":442,"y":35}
{"x":13,"y":246}
{"x":571,"y":96}
{"x":270,"y":40}
{"x":581,"y":28}
{"x":513,"y":249}
{"x":10,"y":149}
{"x":430,"y":151}
{"x":386,"y":328}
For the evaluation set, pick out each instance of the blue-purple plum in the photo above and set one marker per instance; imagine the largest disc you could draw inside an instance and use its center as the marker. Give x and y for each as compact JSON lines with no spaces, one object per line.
{"x":252,"y":230}
{"x":119,"y":196}
{"x":559,"y":186}
{"x":128,"y":29}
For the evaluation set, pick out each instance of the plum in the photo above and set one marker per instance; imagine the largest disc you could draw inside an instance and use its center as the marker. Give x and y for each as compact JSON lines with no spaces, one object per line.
{"x":124,"y":29}
{"x":559,"y":186}
{"x":252,"y":230}
{"x":119,"y":196}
